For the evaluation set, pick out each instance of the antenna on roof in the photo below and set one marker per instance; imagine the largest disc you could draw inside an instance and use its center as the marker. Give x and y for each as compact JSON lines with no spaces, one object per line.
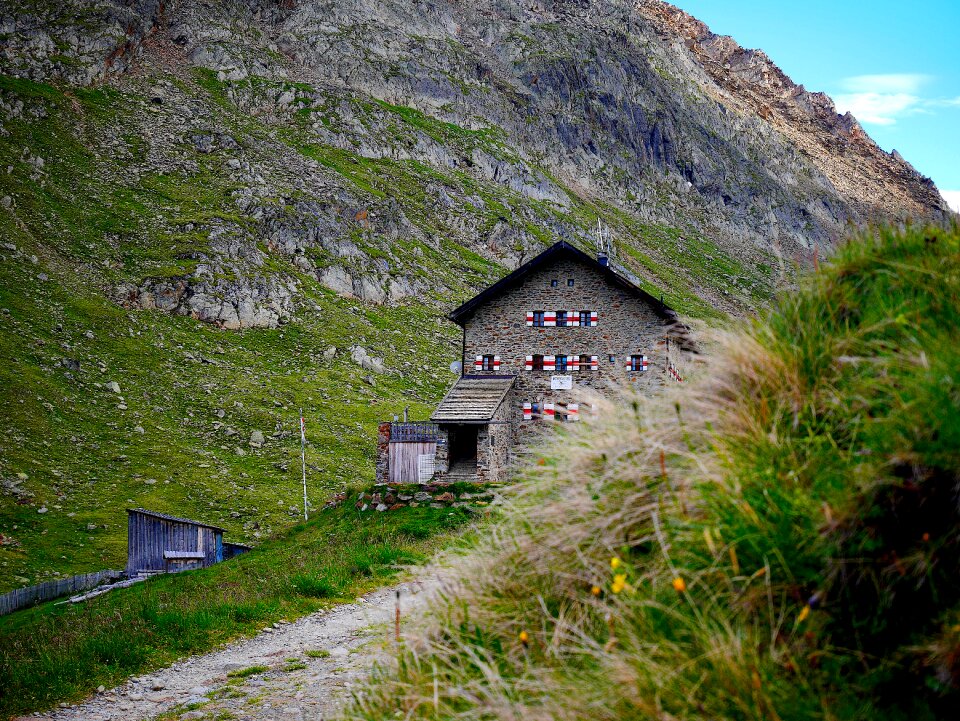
{"x":603,"y":243}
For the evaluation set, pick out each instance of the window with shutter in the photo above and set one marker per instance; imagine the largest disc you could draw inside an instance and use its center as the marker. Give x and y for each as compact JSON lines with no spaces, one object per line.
{"x":538,"y":363}
{"x":584,"y":363}
{"x":561,"y":319}
{"x":560,"y":364}
{"x":585,"y":318}
{"x":488,"y":363}
{"x":637,"y":363}
{"x":539,"y":318}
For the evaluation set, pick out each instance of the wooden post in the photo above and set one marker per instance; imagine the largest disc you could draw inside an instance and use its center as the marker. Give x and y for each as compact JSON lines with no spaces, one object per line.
{"x":397,"y":619}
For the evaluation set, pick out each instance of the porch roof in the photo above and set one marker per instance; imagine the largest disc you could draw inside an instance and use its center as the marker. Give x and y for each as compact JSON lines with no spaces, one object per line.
{"x":473,"y":399}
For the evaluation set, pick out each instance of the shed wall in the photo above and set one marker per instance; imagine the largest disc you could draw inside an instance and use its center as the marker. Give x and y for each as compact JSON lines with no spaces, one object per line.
{"x":148,"y":537}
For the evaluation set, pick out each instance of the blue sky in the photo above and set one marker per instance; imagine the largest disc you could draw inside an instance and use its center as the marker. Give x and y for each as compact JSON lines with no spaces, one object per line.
{"x":894,"y":64}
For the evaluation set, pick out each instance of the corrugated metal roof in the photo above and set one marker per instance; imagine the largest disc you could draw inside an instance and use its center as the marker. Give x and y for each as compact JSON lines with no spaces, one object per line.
{"x":473,"y":399}
{"x":166,"y":517}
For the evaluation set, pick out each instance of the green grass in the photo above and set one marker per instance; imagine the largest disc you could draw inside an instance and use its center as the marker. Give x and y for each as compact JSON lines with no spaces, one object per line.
{"x":61,"y":652}
{"x":778,"y":540}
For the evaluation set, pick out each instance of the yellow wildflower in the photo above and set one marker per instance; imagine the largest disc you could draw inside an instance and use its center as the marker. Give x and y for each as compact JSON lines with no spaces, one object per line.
{"x":803,"y":614}
{"x":619,"y":582}
{"x":524,"y":637}
{"x":679,"y":585}
{"x":615,"y":563}
{"x":595,"y":590}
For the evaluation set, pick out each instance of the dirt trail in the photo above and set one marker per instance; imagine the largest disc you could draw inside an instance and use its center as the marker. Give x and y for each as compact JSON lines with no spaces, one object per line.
{"x":296,"y":687}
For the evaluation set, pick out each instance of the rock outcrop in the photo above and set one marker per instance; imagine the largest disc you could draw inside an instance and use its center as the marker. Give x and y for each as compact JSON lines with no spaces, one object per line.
{"x":365,"y":144}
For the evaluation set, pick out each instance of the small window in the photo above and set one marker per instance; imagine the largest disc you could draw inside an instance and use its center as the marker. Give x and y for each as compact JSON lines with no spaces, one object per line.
{"x":554,"y":283}
{"x":584,"y":318}
{"x":535,"y":410}
{"x":585,"y":363}
{"x":538,"y":362}
{"x":561,"y":365}
{"x":636,"y":363}
{"x":561,"y":318}
{"x":538,"y":319}
{"x":569,"y":282}
{"x":613,"y":359}
{"x":487,"y":363}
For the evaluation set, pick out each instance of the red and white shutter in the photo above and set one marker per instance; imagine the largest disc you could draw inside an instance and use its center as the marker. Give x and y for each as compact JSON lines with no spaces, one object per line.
{"x":549,"y":362}
{"x":550,"y":318}
{"x":528,"y":411}
{"x":643,"y":363}
{"x":528,"y":363}
{"x":593,"y":317}
{"x":496,"y":362}
{"x":478,"y":363}
{"x":573,"y":412}
{"x":573,"y":318}
{"x":549,"y":411}
{"x":629,"y":363}
{"x":675,"y":373}
{"x":594,"y":363}
{"x":529,"y":317}
{"x":574,"y":363}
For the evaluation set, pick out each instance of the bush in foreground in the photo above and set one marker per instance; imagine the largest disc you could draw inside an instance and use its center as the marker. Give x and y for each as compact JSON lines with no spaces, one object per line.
{"x":780,"y":540}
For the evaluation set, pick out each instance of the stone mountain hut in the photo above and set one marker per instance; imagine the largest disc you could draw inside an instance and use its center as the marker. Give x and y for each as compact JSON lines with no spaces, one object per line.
{"x":560,"y":327}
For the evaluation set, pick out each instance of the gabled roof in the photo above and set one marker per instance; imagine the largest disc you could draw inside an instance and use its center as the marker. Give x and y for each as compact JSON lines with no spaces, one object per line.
{"x":165,"y":517}
{"x":554,"y":252}
{"x":473,"y":399}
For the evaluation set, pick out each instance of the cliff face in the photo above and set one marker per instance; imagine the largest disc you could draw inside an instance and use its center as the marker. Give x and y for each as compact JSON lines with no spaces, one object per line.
{"x":633,"y":112}
{"x":873,"y":182}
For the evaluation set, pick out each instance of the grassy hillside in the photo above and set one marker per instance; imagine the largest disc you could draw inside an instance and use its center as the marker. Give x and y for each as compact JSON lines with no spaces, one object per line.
{"x":105,"y":189}
{"x":778,"y":540}
{"x":56,"y":652}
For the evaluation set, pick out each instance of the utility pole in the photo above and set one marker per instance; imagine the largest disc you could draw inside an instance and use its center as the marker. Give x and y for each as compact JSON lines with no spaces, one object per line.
{"x":303,"y":462}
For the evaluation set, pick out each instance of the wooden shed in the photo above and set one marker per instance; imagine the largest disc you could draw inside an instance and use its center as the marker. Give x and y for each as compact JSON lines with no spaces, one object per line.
{"x":158,"y":543}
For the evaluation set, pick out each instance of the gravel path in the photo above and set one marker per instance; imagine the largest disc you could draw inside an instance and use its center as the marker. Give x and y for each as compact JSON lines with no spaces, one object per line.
{"x":296,"y":687}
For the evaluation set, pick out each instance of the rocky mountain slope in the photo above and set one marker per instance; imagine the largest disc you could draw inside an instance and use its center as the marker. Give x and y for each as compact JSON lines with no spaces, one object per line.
{"x":330,"y":177}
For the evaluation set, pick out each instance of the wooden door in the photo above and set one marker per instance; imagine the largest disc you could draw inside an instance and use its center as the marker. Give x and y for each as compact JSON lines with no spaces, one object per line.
{"x":404,"y":460}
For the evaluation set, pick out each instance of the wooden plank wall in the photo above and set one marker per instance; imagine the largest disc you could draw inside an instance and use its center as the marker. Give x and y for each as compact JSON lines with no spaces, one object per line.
{"x":403,"y":460}
{"x":23,"y":597}
{"x":148,"y":537}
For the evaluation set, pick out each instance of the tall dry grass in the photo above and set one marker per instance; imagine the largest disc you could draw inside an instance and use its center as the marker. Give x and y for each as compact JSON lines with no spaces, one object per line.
{"x":777,"y":540}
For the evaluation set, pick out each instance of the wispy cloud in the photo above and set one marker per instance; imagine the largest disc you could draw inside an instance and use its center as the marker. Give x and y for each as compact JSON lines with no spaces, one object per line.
{"x":882,"y":99}
{"x":953,"y":199}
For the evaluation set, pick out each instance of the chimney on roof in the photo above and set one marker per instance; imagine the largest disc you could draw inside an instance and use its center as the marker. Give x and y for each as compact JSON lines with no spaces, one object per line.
{"x":602,"y":259}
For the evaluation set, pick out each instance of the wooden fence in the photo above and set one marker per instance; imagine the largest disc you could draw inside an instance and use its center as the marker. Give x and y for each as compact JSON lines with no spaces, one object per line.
{"x":23,"y":597}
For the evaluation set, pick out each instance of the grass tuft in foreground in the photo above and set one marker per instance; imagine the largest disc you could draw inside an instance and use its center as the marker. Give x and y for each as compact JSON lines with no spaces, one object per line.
{"x":57,"y":652}
{"x":779,"y":540}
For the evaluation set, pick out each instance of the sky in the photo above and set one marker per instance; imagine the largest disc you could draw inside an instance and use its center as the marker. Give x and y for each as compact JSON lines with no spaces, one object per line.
{"x":895,"y":64}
